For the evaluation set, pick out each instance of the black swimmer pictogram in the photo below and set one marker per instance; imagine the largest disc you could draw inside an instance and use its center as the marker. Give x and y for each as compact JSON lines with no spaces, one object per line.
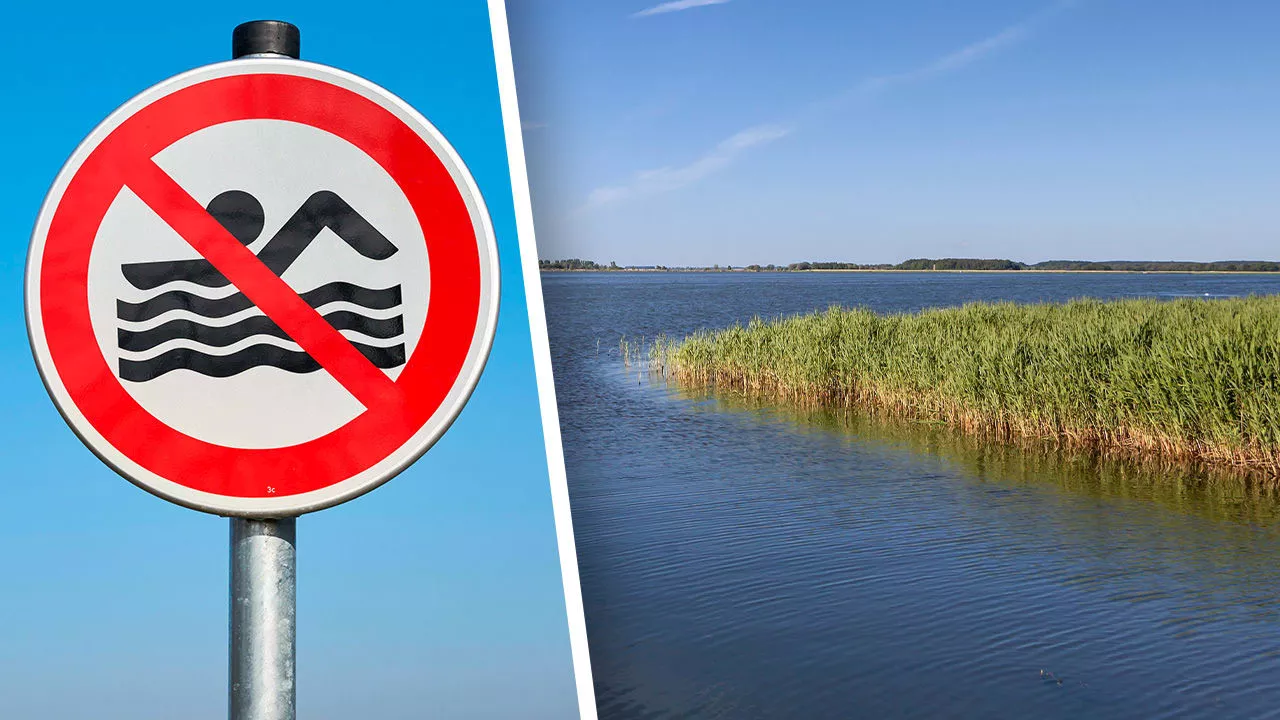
{"x":242,"y":215}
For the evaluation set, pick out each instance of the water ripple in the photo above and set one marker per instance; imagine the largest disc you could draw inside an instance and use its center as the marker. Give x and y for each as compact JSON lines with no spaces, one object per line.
{"x":748,"y":562}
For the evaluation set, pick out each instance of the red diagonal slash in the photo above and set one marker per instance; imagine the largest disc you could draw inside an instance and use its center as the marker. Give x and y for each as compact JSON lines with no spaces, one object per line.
{"x":264,"y":288}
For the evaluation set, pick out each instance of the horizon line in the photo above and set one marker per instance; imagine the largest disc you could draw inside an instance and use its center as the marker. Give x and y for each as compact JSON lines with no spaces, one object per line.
{"x":922,"y":259}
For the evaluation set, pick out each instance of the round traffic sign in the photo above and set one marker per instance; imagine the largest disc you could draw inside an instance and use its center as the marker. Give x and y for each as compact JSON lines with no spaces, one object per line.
{"x":262,"y":287}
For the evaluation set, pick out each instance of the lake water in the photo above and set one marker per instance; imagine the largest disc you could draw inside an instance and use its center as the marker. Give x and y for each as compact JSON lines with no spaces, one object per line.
{"x":741,"y":561}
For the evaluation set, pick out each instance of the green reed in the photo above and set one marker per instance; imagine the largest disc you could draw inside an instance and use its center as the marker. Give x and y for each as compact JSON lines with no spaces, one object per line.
{"x":1188,"y":379}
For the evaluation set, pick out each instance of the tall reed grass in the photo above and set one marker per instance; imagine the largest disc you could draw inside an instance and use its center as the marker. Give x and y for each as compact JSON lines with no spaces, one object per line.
{"x":1186,"y":379}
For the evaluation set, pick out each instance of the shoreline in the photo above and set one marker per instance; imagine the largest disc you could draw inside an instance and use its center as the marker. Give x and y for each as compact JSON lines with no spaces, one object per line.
{"x":712,"y":271}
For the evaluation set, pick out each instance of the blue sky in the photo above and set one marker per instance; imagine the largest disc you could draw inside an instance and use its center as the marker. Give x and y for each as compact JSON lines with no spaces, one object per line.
{"x":744,"y":131}
{"x":438,"y":594}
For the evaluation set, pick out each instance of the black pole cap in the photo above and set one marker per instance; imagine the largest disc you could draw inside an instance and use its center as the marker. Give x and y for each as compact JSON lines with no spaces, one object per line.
{"x":266,"y":36}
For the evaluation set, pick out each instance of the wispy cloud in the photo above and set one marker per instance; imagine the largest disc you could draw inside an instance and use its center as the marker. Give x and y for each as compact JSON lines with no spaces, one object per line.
{"x":673,"y":178}
{"x":953,"y":62}
{"x":967,"y":55}
{"x":666,"y":179}
{"x":676,"y":6}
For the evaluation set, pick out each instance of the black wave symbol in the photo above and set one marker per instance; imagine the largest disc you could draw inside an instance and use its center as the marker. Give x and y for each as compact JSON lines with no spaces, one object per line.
{"x":139,"y":340}
{"x":220,"y":366}
{"x":383,"y":299}
{"x":241,"y":214}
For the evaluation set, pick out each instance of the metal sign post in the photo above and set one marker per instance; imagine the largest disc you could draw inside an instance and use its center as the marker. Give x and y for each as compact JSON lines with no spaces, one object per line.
{"x":196,"y":338}
{"x":263,"y":591}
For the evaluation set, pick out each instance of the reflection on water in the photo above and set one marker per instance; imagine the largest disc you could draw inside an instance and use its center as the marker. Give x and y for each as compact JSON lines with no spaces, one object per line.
{"x":741,"y":561}
{"x":1207,"y":493}
{"x":1216,"y":493}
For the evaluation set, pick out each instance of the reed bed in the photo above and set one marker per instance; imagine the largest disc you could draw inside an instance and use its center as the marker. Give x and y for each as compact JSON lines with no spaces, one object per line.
{"x":1195,"y":380}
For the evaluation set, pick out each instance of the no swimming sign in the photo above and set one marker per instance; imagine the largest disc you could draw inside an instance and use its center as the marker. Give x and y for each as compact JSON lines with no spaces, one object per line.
{"x":263,"y":287}
{"x":252,"y":372}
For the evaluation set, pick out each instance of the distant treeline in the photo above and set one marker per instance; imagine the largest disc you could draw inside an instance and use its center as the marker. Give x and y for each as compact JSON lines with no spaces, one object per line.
{"x":959,"y":264}
{"x":999,"y":264}
{"x":917,"y":264}
{"x":1168,"y":266}
{"x":575,"y":264}
{"x":952,"y":264}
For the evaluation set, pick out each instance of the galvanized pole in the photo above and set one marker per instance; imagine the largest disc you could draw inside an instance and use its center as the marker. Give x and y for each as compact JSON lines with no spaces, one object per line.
{"x":263,"y":602}
{"x":263,"y":552}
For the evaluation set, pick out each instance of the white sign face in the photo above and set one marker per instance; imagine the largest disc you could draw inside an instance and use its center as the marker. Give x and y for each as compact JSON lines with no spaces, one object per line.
{"x":259,"y":406}
{"x":262,"y":288}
